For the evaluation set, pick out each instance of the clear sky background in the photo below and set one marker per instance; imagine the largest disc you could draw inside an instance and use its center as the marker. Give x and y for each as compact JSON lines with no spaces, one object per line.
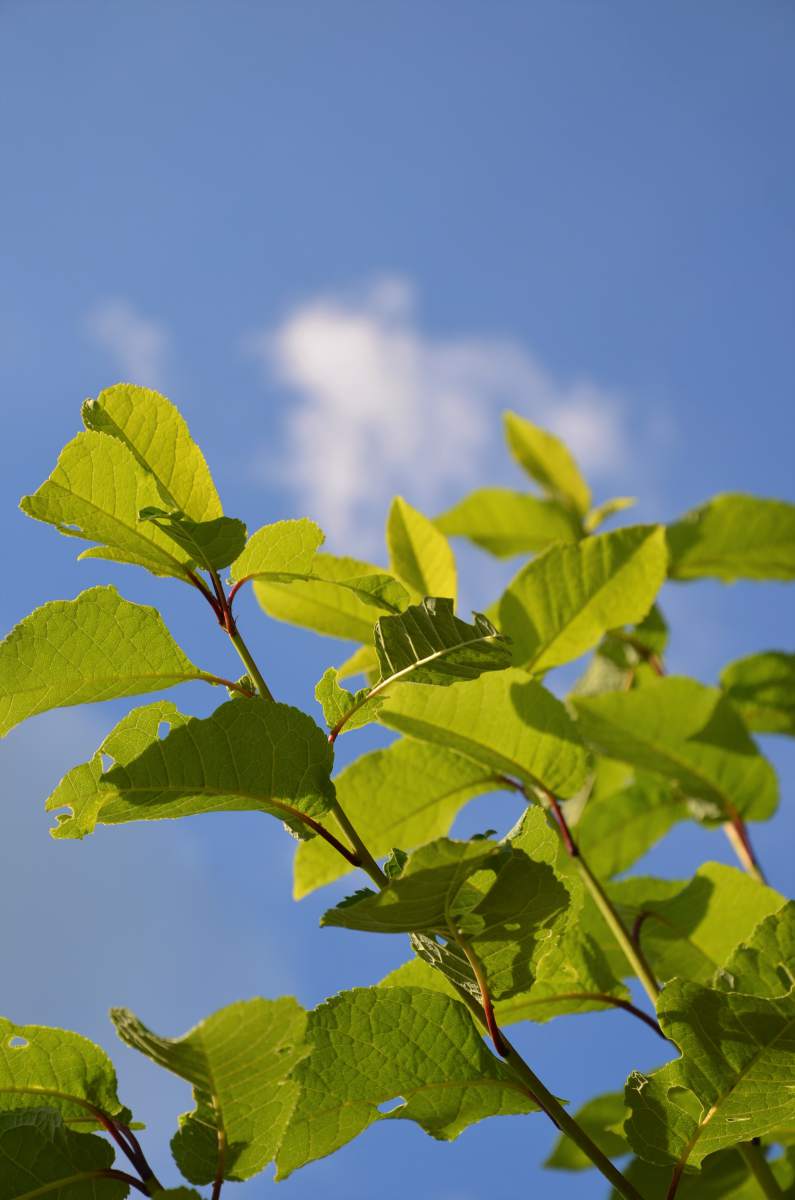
{"x":343,"y":236}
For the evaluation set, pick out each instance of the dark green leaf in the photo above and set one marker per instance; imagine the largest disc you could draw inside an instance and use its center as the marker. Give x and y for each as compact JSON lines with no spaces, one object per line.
{"x":210,"y":544}
{"x":248,"y":755}
{"x":39,"y":1156}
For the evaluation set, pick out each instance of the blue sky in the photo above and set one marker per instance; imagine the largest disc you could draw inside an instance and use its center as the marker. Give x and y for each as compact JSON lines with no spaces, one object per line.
{"x":343,"y":236}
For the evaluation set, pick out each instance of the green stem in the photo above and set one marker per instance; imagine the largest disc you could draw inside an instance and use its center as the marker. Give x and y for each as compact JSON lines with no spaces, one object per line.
{"x":633,"y":954}
{"x":567,"y":1124}
{"x":250,"y":665}
{"x":366,"y":860}
{"x":760,"y":1169}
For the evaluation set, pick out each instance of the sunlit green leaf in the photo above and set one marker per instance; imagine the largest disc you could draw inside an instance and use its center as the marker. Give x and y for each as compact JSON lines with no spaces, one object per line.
{"x":340,"y":705}
{"x":286,"y":547}
{"x":152,"y":428}
{"x":96,"y":647}
{"x":404,"y":796}
{"x":561,"y":603}
{"x":734,"y":537}
{"x":96,"y":492}
{"x":616,"y":830}
{"x":320,"y":603}
{"x":503,"y":720}
{"x":687,"y":732}
{"x":685,"y":930}
{"x":239,"y":1062}
{"x":547,"y":460}
{"x":54,"y":1068}
{"x":505,"y":522}
{"x":422,"y":1051}
{"x":603,"y":512}
{"x":762,"y":687}
{"x":419,"y":553}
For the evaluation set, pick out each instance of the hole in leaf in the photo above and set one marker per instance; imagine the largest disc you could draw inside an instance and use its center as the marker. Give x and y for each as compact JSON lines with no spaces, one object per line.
{"x":107,"y":762}
{"x":389,"y":1106}
{"x":163,"y":729}
{"x":17,"y":1043}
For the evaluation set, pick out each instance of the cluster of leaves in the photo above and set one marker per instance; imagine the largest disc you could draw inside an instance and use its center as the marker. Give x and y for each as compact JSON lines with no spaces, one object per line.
{"x":529,"y":926}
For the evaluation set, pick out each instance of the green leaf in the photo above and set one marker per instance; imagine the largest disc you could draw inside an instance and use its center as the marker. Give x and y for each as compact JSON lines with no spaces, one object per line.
{"x":603,"y":512}
{"x":404,"y":795}
{"x":325,"y":603}
{"x":762,"y":687}
{"x":764,"y":965}
{"x":686,"y":931}
{"x":724,"y":1177}
{"x":57,"y":1069}
{"x":616,"y":830}
{"x":686,"y":732}
{"x":342,"y":708}
{"x":734,"y":537}
{"x":508,"y":906}
{"x":561,"y":603}
{"x":548,"y":462}
{"x":210,"y":544}
{"x":573,"y":976}
{"x":364,"y":662}
{"x":153,"y":430}
{"x":83,"y":791}
{"x":39,"y":1156}
{"x":286,"y":547}
{"x":419,"y":553}
{"x":96,"y":647}
{"x":503,"y":720}
{"x":428,"y":643}
{"x":505,"y":522}
{"x":599,"y":1118}
{"x":96,"y":492}
{"x":252,"y":755}
{"x":732,"y":1083}
{"x":422,"y":1050}
{"x":239,"y":1062}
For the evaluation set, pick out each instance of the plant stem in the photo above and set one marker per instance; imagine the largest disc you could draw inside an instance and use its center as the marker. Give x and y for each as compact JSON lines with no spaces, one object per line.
{"x":633,"y":954}
{"x":250,"y":664}
{"x":760,"y":1169}
{"x":740,"y":841}
{"x":567,"y":1123}
{"x":545,"y":1100}
{"x":366,"y":860}
{"x":485,"y":999}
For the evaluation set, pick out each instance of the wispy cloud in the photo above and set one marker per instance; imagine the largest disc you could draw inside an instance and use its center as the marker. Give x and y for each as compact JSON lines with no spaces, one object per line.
{"x":379,"y":406}
{"x":137,"y":344}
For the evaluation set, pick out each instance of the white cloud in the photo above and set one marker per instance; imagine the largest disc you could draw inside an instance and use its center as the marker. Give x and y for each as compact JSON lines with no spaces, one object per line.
{"x":381,"y":407}
{"x":137,"y":344}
